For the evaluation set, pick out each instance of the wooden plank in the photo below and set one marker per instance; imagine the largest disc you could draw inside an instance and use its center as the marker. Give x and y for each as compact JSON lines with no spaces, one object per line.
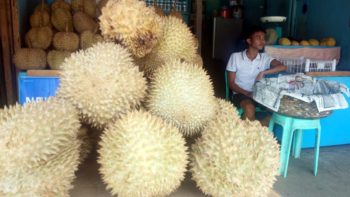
{"x":15,"y":26}
{"x":5,"y":32}
{"x":330,"y":74}
{"x":53,"y":73}
{"x":199,"y":11}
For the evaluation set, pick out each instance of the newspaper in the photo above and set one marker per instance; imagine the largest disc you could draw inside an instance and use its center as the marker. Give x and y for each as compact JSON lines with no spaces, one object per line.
{"x":328,"y":95}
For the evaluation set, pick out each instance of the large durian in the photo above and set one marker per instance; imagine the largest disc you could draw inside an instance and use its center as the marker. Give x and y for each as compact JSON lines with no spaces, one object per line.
{"x":39,"y":147}
{"x":87,"y":39}
{"x":176,"y":41}
{"x":182,"y":94}
{"x":27,"y":58}
{"x":56,"y":58}
{"x":40,"y":18}
{"x":102,"y":82}
{"x":131,"y":23}
{"x":39,"y":37}
{"x":234,"y":157}
{"x":56,"y":4}
{"x":66,"y":41}
{"x":61,"y":19}
{"x":142,"y":155}
{"x":86,"y":6}
{"x":83,"y":22}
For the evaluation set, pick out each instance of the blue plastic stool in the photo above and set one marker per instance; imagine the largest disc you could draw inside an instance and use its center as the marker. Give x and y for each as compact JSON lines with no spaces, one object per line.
{"x":291,"y":124}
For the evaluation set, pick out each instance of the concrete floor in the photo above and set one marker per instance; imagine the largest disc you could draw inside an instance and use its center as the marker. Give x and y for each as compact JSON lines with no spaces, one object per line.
{"x":332,"y":179}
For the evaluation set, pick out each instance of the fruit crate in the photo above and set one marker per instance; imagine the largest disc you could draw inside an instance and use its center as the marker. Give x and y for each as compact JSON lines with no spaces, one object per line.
{"x":294,"y":65}
{"x":33,"y":88}
{"x":301,"y":65}
{"x":182,"y":6}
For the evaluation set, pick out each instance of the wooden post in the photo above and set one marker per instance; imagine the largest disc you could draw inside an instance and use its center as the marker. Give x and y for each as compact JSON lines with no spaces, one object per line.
{"x":9,"y":35}
{"x":199,"y":11}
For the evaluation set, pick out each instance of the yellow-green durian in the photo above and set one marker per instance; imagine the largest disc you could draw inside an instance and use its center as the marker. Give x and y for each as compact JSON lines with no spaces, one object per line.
{"x":142,"y":155}
{"x":176,"y":41}
{"x":83,"y":22}
{"x":39,"y":37}
{"x":66,"y":41}
{"x":102,"y":82}
{"x":87,"y":39}
{"x":234,"y":157}
{"x":27,"y":58}
{"x":61,"y":19}
{"x":131,"y":23}
{"x":182,"y":94}
{"x":55,"y":58}
{"x":86,"y":6}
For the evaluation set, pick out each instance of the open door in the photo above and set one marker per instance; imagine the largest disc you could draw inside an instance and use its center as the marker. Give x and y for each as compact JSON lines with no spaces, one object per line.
{"x":10,"y":42}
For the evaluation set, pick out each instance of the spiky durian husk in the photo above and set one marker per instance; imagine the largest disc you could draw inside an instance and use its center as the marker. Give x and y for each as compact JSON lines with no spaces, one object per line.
{"x":102,"y":82}
{"x":234,"y":157}
{"x":131,"y":23}
{"x":32,"y":133}
{"x":56,"y":58}
{"x":142,"y":155}
{"x":52,"y":177}
{"x":182,"y":94}
{"x":176,"y":41}
{"x":39,"y":37}
{"x":87,"y":39}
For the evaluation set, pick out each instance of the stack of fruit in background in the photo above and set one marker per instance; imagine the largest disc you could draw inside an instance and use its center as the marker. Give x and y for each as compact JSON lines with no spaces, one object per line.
{"x":328,"y":41}
{"x":57,"y":31}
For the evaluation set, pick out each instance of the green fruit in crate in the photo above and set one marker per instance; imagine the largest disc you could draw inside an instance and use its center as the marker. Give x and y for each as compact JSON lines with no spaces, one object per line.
{"x":234,"y":157}
{"x":109,"y":83}
{"x":56,"y":58}
{"x":142,"y":155}
{"x":304,"y":43}
{"x":66,"y":41}
{"x":192,"y":102}
{"x":39,"y":37}
{"x":61,"y":19}
{"x":60,"y":4}
{"x":131,"y":23}
{"x":86,"y":6}
{"x":83,"y":22}
{"x":176,"y":42}
{"x":40,"y":150}
{"x":87,"y":39}
{"x":284,"y":41}
{"x":27,"y":58}
{"x":314,"y":42}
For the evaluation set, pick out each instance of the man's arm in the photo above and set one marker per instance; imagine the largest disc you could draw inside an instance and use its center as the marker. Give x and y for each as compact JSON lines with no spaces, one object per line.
{"x":234,"y":86}
{"x":276,"y":67}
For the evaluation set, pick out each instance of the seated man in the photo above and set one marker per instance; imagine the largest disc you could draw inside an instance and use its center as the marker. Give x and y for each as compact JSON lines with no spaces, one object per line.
{"x":245,"y":67}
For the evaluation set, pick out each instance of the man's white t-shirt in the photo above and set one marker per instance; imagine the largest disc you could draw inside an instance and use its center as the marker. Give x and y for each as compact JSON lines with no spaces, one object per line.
{"x":247,"y":70}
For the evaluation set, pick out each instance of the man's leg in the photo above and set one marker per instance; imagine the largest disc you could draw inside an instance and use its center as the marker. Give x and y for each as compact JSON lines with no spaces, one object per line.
{"x":249,"y":109}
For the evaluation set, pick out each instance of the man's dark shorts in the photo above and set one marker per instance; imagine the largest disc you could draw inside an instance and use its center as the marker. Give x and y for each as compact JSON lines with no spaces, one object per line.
{"x":238,"y":98}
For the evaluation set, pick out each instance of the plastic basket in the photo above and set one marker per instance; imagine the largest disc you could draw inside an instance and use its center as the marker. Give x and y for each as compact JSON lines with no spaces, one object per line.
{"x":294,"y":65}
{"x":320,"y":65}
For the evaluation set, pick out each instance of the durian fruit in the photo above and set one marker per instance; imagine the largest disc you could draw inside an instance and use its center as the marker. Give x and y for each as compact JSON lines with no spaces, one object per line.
{"x":142,"y":155}
{"x":314,"y":42}
{"x":295,"y":43}
{"x":284,"y":41}
{"x":27,"y":58}
{"x":177,"y":41}
{"x":182,"y":94}
{"x":39,"y":37}
{"x":43,"y":7}
{"x":329,"y":41}
{"x":86,"y":6}
{"x":40,"y":17}
{"x":102,"y":82}
{"x":87,"y":39}
{"x":304,"y":43}
{"x":234,"y":157}
{"x":56,"y":58}
{"x":66,"y":41}
{"x":57,"y":4}
{"x":131,"y":23}
{"x":39,"y":147}
{"x":61,"y":19}
{"x":83,"y":22}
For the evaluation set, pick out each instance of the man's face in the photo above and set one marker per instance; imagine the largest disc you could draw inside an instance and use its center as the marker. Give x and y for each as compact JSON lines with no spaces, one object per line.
{"x":257,"y":40}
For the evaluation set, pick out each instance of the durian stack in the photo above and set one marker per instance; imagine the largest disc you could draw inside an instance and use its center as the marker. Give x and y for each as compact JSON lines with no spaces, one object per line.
{"x":40,"y":149}
{"x":58,"y":30}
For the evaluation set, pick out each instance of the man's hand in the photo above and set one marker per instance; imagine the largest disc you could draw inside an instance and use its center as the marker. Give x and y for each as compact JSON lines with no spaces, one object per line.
{"x":260,"y":76}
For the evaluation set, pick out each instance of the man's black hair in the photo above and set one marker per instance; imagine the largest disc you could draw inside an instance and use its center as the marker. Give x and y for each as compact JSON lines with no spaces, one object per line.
{"x":252,"y":30}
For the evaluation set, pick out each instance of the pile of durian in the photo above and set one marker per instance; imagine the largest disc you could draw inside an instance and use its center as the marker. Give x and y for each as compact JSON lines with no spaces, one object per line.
{"x":144,"y":88}
{"x":56,"y":31}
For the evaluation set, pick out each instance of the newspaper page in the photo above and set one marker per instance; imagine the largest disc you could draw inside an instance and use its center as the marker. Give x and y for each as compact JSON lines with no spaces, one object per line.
{"x":326,"y":94}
